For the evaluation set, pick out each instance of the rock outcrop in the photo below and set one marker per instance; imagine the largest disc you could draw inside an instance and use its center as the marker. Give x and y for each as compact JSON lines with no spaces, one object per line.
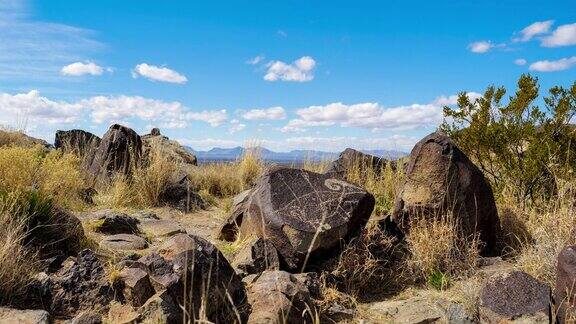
{"x":565,"y":290}
{"x":441,"y":179}
{"x":302,"y":212}
{"x":119,"y":152}
{"x":514,"y":296}
{"x":278,"y":297}
{"x":155,"y":143}
{"x":351,"y":159}
{"x":77,"y":141}
{"x":179,"y":194}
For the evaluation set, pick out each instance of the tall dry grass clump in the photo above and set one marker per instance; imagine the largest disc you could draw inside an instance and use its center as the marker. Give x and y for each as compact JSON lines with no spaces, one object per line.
{"x":18,"y":264}
{"x":439,"y":252}
{"x":152,"y":179}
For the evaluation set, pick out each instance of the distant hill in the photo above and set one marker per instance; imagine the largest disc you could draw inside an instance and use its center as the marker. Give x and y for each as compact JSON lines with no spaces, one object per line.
{"x":295,"y":156}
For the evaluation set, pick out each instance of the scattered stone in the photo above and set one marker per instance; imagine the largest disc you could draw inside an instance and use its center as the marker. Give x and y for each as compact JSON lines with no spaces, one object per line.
{"x":87,"y":318}
{"x":289,"y":206}
{"x":76,"y":141}
{"x":146,"y":215}
{"x":440,"y":178}
{"x":161,"y":308}
{"x":409,"y":311}
{"x":80,"y":284}
{"x":111,"y":222}
{"x":123,"y":242}
{"x":136,"y":286}
{"x":565,"y":290}
{"x":178,"y":194}
{"x":161,"y":228}
{"x":278,"y":297}
{"x":351,"y":159}
{"x":26,"y":316}
{"x":515,"y":296}
{"x":185,"y":257}
{"x":257,"y":256}
{"x":229,"y":229}
{"x":119,"y":151}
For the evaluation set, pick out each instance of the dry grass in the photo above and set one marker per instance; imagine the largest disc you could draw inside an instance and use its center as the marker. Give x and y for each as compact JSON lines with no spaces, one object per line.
{"x":151,"y":180}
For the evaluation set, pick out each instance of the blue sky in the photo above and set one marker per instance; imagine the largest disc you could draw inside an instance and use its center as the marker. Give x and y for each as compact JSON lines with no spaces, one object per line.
{"x":288,"y":75}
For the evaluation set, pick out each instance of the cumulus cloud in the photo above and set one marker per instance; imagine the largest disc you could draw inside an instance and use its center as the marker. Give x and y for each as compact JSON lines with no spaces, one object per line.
{"x":480,"y":47}
{"x":372,"y":115}
{"x":273,"y":113}
{"x":82,"y":68}
{"x":213,"y":117}
{"x":535,"y":29}
{"x":36,"y":109}
{"x":155,"y":73}
{"x":236,"y":126}
{"x":553,"y":66}
{"x":256,"y":60}
{"x":520,"y":61}
{"x":300,"y":70}
{"x":564,"y":35}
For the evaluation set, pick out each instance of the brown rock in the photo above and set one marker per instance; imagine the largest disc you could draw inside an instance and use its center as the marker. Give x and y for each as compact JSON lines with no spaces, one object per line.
{"x":289,"y":206}
{"x":154,"y":143}
{"x":351,"y":158}
{"x":77,"y":141}
{"x":161,"y":308}
{"x":565,"y":290}
{"x":256,"y":256}
{"x":161,"y":228}
{"x":119,"y":151}
{"x":87,"y":318}
{"x":122,"y":314}
{"x":26,"y":316}
{"x":278,"y":297}
{"x":439,"y":179}
{"x":515,"y":296}
{"x":123,"y":242}
{"x":136,"y":286}
{"x":229,"y":229}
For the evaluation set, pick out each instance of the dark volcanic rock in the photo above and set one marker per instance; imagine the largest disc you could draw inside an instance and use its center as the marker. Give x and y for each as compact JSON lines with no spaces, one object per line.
{"x":565,"y":290}
{"x":278,"y":297}
{"x":189,"y":262}
{"x":229,"y":229}
{"x":289,"y":206}
{"x":112,"y":222}
{"x":440,"y":178}
{"x":119,"y":151}
{"x":178,"y":194}
{"x":257,"y":256}
{"x":76,"y":141}
{"x":80,"y":284}
{"x":513,"y":296}
{"x":123,"y":242}
{"x":350,"y":158}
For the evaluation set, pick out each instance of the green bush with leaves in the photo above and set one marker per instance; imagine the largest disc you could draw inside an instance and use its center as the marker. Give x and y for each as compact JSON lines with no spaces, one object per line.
{"x":517,"y":144}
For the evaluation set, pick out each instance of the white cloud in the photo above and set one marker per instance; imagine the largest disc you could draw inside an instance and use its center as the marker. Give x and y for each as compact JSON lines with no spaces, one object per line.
{"x":300,"y":70}
{"x":156,"y":73}
{"x":552,"y":66}
{"x":273,"y":113}
{"x":80,"y":68}
{"x":336,"y":144}
{"x":373,"y":116}
{"x":282,"y":33}
{"x":564,"y":35}
{"x":480,"y":47}
{"x":520,"y":61}
{"x":255,"y":60}
{"x":535,"y":29}
{"x":213,"y":117}
{"x":34,"y":109}
{"x":208,"y":143}
{"x":236,"y":126}
{"x":34,"y":50}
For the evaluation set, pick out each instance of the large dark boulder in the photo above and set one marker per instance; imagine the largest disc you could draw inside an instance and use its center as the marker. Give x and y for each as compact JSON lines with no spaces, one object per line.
{"x":351,"y":159}
{"x":193,"y":271}
{"x":179,"y":194}
{"x":440,"y":179}
{"x":77,"y":141}
{"x":302,"y":212}
{"x":515,"y":296}
{"x":119,"y":152}
{"x":565,"y":290}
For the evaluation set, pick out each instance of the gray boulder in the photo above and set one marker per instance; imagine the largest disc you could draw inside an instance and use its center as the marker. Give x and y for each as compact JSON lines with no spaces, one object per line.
{"x":440,"y":179}
{"x":123,"y":242}
{"x":351,"y":158}
{"x":303,"y":212}
{"x":24,"y":316}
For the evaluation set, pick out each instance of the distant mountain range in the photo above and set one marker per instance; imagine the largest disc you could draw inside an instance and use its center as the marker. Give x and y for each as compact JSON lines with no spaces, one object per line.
{"x":295,"y":156}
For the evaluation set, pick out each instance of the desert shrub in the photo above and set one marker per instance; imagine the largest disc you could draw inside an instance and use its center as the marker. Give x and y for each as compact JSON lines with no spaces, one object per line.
{"x":516,"y":142}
